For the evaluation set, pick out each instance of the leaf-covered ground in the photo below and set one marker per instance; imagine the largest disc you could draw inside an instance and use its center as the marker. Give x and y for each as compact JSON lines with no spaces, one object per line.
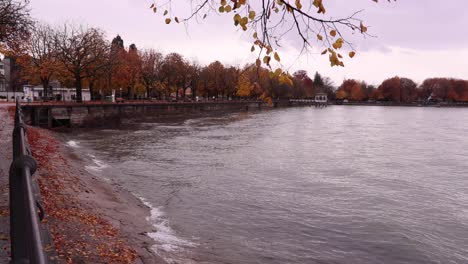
{"x":79,"y":233}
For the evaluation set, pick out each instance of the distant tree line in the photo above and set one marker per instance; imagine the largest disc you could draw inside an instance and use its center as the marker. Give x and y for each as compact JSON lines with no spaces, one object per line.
{"x":405,"y":90}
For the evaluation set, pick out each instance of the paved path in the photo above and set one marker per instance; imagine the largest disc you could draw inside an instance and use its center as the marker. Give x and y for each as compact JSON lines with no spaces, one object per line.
{"x":6,"y":128}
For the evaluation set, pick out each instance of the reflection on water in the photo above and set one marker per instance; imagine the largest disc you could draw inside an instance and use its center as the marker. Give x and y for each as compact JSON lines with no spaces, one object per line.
{"x":300,"y":185}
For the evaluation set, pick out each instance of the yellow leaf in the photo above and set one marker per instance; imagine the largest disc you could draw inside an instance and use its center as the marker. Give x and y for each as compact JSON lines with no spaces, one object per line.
{"x":223,"y":2}
{"x":237,"y":19}
{"x":363,"y":28}
{"x":244,"y":21}
{"x":277,"y":58}
{"x":298,"y":4}
{"x":333,"y":33}
{"x":319,"y":37}
{"x":168,"y":20}
{"x":278,"y":72}
{"x":255,"y":35}
{"x":252,"y":15}
{"x":266,"y":60}
{"x":338,"y":43}
{"x":258,"y":63}
{"x":319,"y":5}
{"x":221,"y":9}
{"x":352,"y":54}
{"x":228,"y":9}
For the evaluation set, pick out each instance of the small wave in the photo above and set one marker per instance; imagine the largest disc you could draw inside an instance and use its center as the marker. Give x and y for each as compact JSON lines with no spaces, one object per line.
{"x":72,"y":143}
{"x":98,"y":165}
{"x":165,"y":238}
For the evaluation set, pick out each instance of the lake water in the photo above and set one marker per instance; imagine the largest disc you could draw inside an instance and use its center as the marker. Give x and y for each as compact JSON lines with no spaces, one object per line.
{"x":297,"y":185}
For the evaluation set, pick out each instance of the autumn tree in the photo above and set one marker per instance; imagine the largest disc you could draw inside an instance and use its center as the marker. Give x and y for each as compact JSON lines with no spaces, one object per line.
{"x":252,"y":81}
{"x":131,"y":73}
{"x":195,"y":70}
{"x":78,"y":49}
{"x":116,"y":61}
{"x":215,"y":71}
{"x":15,"y":22}
{"x":304,"y":85}
{"x":151,"y":63}
{"x":39,"y":57}
{"x":231,"y":75}
{"x":281,"y":84}
{"x":341,"y":94}
{"x":398,"y":89}
{"x":435,"y":88}
{"x":244,"y":83}
{"x":173,"y":70}
{"x":408,"y":90}
{"x":357,"y":92}
{"x":97,"y":73}
{"x":458,"y":91}
{"x":352,"y":90}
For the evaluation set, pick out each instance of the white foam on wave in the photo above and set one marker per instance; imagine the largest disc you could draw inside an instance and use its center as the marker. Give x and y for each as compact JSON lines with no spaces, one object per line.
{"x":72,"y":143}
{"x":164,"y":236}
{"x":97,"y":166}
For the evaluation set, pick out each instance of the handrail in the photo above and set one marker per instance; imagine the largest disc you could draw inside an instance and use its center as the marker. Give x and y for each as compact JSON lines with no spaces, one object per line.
{"x":25,"y":231}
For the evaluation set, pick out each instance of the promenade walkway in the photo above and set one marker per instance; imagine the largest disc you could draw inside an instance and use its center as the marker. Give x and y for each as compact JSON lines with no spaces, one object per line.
{"x":6,"y":128}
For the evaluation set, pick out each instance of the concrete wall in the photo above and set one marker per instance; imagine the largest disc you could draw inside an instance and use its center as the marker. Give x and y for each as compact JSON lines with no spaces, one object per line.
{"x":91,"y":115}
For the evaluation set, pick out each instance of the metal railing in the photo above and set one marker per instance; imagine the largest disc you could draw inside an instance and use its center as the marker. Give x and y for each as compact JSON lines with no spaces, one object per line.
{"x":25,"y":210}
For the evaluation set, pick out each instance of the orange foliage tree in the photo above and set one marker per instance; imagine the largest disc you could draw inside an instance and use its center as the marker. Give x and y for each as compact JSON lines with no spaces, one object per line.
{"x":352,"y":90}
{"x":38,"y":57}
{"x":444,"y":89}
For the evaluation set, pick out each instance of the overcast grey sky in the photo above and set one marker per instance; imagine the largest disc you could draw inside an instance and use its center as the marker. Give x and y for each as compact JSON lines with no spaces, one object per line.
{"x":415,"y":38}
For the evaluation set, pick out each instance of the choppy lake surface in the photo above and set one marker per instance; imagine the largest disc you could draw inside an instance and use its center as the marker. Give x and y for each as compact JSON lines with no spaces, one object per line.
{"x":297,"y":185}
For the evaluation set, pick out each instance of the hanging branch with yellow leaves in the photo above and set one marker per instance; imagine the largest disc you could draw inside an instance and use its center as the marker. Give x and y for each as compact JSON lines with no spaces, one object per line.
{"x":270,"y":20}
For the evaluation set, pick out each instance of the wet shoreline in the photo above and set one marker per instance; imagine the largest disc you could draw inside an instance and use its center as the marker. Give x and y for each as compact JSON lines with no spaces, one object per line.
{"x":120,"y":217}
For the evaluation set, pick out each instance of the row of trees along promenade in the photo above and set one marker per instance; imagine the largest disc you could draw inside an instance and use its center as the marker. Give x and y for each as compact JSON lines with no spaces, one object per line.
{"x":80,"y":57}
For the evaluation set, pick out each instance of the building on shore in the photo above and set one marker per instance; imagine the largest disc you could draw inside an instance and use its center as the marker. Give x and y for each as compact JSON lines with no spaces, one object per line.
{"x":35,"y":93}
{"x":10,"y":81}
{"x":321,"y":98}
{"x":2,"y":78}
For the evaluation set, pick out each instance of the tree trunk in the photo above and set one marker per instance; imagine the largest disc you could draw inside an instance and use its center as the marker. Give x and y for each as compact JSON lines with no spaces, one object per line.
{"x":183,"y":93}
{"x":91,"y":90}
{"x":45,"y":85}
{"x":79,"y":94}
